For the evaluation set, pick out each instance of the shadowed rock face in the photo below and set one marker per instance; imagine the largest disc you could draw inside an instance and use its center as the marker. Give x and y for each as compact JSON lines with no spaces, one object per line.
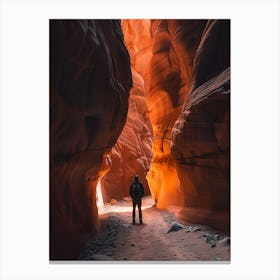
{"x":200,"y":137}
{"x":90,"y":80}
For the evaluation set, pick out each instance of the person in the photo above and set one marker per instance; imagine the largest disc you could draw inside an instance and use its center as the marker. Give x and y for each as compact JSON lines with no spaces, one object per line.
{"x":136,"y":192}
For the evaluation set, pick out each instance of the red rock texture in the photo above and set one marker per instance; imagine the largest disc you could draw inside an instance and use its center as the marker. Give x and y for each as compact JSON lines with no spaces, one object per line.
{"x":185,"y":68}
{"x":179,"y":104}
{"x":174,"y":43}
{"x":139,"y":44}
{"x":132,"y":154}
{"x":90,"y":80}
{"x":201,"y":135}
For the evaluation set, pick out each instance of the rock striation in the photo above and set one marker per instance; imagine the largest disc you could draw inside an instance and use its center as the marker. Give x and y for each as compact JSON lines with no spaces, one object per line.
{"x":90,"y":80}
{"x":201,"y":135}
{"x":185,"y":68}
{"x":132,"y":154}
{"x":138,"y":41}
{"x":174,"y":43}
{"x":165,"y":85}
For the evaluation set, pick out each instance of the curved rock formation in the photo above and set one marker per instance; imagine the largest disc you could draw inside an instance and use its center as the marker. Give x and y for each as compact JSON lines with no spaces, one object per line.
{"x":173,"y":48}
{"x":90,"y":80}
{"x":184,"y":67}
{"x":132,"y":154}
{"x":200,"y":137}
{"x":179,"y":100}
{"x":139,"y":44}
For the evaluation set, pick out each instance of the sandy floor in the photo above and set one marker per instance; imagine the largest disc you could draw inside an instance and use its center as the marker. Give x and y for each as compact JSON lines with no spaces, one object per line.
{"x":121,"y":240}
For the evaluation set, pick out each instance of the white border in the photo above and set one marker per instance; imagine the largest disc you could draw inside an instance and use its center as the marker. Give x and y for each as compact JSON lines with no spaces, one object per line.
{"x":255,"y":138}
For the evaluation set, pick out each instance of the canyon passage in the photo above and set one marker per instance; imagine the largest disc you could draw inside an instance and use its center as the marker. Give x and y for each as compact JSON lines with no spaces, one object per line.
{"x":157,"y":239}
{"x":148,"y":98}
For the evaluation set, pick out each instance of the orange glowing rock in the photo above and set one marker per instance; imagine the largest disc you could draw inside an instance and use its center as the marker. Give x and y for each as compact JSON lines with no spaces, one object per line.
{"x":138,"y":41}
{"x":173,"y":47}
{"x":174,"y":58}
{"x":132,"y":154}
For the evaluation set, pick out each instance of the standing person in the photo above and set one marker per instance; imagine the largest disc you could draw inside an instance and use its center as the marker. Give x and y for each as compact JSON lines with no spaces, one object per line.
{"x":136,"y":191}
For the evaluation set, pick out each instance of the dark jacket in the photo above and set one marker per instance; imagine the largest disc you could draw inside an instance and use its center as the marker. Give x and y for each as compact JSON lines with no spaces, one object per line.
{"x":136,"y":190}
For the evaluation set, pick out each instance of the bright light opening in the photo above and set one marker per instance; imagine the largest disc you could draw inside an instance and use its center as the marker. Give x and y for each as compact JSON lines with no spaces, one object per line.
{"x":99,"y":197}
{"x":124,"y":205}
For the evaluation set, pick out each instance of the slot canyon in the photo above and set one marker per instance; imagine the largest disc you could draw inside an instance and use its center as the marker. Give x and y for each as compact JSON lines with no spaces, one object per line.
{"x":138,"y":96}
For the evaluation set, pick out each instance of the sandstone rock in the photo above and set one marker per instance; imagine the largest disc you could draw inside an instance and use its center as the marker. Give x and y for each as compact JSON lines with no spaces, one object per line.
{"x":179,"y":105}
{"x":175,"y":227}
{"x":138,"y":41}
{"x":132,"y":154}
{"x":173,"y":50}
{"x":187,"y":88}
{"x":212,"y":244}
{"x":225,"y":241}
{"x":195,"y":229}
{"x":208,"y":238}
{"x":200,"y":136}
{"x":162,"y":52}
{"x":88,"y":106}
{"x":217,"y":236}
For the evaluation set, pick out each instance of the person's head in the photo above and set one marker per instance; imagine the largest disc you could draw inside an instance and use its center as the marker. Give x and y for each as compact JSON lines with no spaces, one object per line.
{"x":136,"y":178}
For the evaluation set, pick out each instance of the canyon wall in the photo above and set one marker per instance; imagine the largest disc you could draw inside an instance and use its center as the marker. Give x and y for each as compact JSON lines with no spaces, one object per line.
{"x":132,"y":154}
{"x":174,"y":43}
{"x":201,"y":136}
{"x":138,"y":41}
{"x":90,"y":80}
{"x":185,"y":68}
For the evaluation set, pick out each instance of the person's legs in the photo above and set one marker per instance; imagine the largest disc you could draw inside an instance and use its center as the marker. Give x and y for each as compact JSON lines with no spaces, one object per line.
{"x":133,"y":211}
{"x":140,"y":211}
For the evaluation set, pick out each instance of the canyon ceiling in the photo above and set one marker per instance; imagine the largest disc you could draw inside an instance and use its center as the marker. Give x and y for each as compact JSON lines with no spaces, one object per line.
{"x":146,"y":97}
